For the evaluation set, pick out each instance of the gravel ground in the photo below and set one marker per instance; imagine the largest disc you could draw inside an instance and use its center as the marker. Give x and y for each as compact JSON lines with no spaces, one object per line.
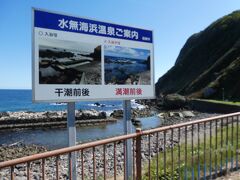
{"x":88,"y":170}
{"x":231,"y":176}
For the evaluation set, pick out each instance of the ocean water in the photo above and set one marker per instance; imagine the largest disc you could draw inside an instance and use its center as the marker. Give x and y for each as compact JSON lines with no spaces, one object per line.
{"x":54,"y":138}
{"x":121,"y":68}
{"x":21,"y":100}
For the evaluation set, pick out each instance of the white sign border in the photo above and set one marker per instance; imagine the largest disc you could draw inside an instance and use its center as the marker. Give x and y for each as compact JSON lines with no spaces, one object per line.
{"x":88,"y":99}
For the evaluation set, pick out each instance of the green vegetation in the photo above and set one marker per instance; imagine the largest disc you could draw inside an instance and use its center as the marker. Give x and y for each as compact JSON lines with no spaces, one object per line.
{"x":234,"y":16}
{"x":179,"y":166}
{"x":208,"y":63}
{"x":221,"y":102}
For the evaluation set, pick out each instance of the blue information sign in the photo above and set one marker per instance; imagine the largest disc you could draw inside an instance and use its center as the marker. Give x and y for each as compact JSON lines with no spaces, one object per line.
{"x":87,"y":26}
{"x":77,"y":58}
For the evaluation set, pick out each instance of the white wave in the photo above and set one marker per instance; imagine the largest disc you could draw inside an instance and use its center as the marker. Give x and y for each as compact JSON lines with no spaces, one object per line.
{"x":101,"y":105}
{"x":136,"y":105}
{"x":58,"y":104}
{"x":109,"y":112}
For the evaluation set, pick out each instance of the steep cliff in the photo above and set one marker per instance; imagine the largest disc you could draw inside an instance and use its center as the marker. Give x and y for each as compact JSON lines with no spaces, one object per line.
{"x":208,"y":64}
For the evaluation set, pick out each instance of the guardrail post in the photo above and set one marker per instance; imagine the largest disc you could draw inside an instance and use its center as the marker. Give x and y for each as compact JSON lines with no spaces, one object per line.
{"x":127,"y":130}
{"x":72,"y":139}
{"x":12,"y":173}
{"x":138,"y":154}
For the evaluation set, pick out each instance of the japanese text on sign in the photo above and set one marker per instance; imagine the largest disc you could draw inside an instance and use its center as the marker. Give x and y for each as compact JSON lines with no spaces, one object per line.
{"x":86,"y":26}
{"x":97,"y":28}
{"x":75,"y":92}
{"x":128,"y":91}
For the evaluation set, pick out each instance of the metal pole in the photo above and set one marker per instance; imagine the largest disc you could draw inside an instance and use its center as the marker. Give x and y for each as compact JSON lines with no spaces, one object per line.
{"x":223,"y":94}
{"x":71,"y":139}
{"x":128,"y":130}
{"x":138,"y":155}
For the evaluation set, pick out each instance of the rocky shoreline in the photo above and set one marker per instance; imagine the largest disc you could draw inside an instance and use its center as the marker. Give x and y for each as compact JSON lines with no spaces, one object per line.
{"x":88,"y":169}
{"x":50,"y":119}
{"x":18,"y":150}
{"x":53,"y":119}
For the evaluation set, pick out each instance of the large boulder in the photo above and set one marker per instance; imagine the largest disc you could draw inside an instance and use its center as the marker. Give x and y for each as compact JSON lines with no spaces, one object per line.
{"x":96,"y":55}
{"x":91,"y":114}
{"x":188,"y":114}
{"x":117,"y":114}
{"x":55,"y":54}
{"x":174,"y":101}
{"x":135,"y":113}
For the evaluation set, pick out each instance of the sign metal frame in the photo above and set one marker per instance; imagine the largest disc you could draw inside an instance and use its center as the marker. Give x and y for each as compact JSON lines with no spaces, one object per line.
{"x":71,"y":102}
{"x":62,"y":99}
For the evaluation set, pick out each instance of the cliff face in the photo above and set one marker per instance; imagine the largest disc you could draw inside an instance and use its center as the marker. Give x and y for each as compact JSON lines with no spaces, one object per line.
{"x":208,"y":63}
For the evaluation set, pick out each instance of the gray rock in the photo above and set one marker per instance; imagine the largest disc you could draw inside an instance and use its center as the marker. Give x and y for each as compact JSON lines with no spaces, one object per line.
{"x":162,"y":115}
{"x":143,"y":156}
{"x":175,"y":114}
{"x":4,"y":114}
{"x":22,"y":173}
{"x":117,"y":114}
{"x":20,"y":178}
{"x":174,"y":101}
{"x":188,"y":114}
{"x":51,"y":114}
{"x":20,"y":166}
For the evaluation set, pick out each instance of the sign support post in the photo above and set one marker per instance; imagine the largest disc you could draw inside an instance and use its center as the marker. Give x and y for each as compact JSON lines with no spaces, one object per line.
{"x":71,"y":139}
{"x":60,"y":76}
{"x":128,"y":130}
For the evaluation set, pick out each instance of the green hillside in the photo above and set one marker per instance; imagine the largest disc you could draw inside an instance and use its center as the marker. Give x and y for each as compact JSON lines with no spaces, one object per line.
{"x":208,"y":63}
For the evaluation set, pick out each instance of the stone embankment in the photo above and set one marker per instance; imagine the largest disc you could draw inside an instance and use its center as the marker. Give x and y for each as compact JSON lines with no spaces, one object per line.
{"x":51,"y":119}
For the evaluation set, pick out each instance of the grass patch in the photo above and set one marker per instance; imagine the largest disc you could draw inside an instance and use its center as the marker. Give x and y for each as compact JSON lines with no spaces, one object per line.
{"x":198,"y":162}
{"x":221,"y":102}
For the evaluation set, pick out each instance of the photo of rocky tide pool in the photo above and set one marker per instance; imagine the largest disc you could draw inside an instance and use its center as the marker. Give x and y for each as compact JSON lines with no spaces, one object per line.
{"x":124,"y":65}
{"x":67,"y":62}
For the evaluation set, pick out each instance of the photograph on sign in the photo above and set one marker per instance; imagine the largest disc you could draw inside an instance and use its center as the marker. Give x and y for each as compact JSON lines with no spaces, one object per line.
{"x":123,"y":65}
{"x":67,"y":62}
{"x":77,"y":59}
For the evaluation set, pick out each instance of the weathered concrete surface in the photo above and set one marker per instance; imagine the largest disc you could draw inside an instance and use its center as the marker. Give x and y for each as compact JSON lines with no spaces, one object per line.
{"x":211,"y":107}
{"x":50,"y":119}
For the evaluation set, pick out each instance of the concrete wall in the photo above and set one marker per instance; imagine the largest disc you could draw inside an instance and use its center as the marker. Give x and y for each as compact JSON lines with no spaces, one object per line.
{"x":211,"y":107}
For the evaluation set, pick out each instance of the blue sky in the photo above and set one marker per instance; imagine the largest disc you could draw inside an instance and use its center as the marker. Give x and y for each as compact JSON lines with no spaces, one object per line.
{"x":172,"y":21}
{"x":118,"y":51}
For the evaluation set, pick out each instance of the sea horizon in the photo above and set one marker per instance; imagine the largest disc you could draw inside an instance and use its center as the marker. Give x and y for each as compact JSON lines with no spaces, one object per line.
{"x":16,"y":100}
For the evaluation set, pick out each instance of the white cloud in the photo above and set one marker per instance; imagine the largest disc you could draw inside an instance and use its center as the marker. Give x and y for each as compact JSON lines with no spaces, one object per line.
{"x":71,"y":45}
{"x":124,"y":51}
